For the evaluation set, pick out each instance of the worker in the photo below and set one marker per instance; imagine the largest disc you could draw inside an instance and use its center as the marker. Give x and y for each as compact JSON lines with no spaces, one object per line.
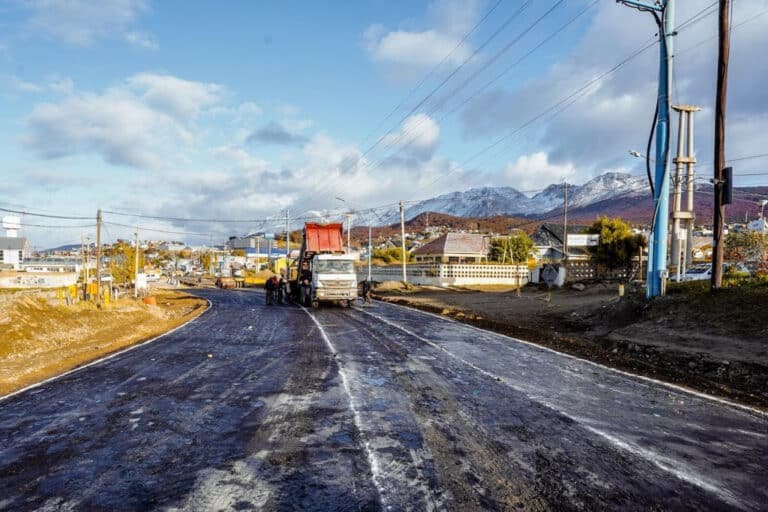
{"x":365,"y":290}
{"x":280,"y":289}
{"x":270,"y":286}
{"x":305,"y":287}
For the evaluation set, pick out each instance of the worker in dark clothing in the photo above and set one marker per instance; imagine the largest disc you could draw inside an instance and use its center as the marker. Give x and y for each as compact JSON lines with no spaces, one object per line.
{"x":305,"y":287}
{"x":365,"y":289}
{"x":280,"y":289}
{"x":270,"y":286}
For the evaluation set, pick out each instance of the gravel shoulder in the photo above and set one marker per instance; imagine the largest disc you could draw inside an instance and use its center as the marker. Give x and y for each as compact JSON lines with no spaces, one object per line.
{"x":717,"y":345}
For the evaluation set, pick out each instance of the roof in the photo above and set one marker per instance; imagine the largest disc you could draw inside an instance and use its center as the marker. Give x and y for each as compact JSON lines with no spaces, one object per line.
{"x":456,"y":243}
{"x":8,"y":243}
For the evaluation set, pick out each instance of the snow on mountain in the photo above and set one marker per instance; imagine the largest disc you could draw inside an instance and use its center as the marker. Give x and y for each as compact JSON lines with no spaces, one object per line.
{"x":492,"y":201}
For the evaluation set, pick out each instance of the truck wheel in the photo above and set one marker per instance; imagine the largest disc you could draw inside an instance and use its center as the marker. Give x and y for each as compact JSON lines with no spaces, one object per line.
{"x":315,"y":304}
{"x":350,"y":303}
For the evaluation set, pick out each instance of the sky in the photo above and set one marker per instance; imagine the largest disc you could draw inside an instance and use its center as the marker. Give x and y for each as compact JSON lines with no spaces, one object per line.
{"x":210,"y":119}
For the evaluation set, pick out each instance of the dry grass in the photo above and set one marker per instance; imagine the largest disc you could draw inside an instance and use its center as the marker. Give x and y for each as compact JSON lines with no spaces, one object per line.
{"x":41,"y":339}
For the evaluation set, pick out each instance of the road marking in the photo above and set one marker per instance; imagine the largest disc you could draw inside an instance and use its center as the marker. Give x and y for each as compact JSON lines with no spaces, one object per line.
{"x":372,"y":461}
{"x":657,"y":460}
{"x":106,"y":358}
{"x":676,"y":387}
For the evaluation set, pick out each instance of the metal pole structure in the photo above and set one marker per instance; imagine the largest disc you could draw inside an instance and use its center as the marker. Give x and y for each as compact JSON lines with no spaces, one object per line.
{"x":724,"y":43}
{"x":98,"y":258}
{"x":690,"y":187}
{"x":136,"y":267}
{"x":369,"y":252}
{"x":678,"y":191}
{"x":402,"y":239}
{"x":349,"y":232}
{"x":85,"y":267}
{"x":657,"y":247}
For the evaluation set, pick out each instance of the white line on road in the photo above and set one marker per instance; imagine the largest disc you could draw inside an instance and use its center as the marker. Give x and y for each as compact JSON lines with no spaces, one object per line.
{"x":676,"y":387}
{"x":372,"y":461}
{"x":663,"y":463}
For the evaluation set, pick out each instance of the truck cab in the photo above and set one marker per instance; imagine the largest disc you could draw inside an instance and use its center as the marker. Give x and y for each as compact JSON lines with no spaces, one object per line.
{"x":333,"y":279}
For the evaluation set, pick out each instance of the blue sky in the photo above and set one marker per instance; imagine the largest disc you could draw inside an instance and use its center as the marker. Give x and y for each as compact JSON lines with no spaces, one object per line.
{"x":198,"y":110}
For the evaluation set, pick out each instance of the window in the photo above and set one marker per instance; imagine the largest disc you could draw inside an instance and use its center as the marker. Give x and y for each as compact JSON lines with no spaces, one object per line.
{"x":2,"y":255}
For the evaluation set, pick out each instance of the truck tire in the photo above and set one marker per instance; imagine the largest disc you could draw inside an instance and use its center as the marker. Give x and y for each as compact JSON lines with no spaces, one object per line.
{"x":350,"y":303}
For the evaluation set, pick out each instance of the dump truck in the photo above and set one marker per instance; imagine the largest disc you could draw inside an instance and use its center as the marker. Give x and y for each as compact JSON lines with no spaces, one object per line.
{"x":323,"y":271}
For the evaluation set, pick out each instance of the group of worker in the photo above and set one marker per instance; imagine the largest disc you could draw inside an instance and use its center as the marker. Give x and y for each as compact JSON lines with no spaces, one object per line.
{"x":277,"y":289}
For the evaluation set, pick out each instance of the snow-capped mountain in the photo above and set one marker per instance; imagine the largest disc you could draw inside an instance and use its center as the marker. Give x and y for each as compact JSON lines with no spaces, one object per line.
{"x":492,"y":201}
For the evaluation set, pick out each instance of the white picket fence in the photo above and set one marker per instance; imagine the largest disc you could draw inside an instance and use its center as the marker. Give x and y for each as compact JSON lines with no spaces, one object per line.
{"x":452,"y":274}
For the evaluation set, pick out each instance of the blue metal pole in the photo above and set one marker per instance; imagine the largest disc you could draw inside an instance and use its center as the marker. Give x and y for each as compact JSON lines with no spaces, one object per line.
{"x":657,"y":248}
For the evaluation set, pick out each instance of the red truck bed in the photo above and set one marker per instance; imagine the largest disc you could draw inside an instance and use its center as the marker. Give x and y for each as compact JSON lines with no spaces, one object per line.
{"x":323,"y":239}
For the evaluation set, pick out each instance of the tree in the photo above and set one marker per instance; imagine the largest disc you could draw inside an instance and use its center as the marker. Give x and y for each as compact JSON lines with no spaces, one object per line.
{"x":205,"y":260}
{"x":746,"y":246}
{"x":123,"y":261}
{"x":515,"y":249}
{"x":617,"y":246}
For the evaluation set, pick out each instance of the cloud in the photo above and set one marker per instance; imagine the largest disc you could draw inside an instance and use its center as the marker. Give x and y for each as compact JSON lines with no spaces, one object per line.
{"x":275,"y":133}
{"x":408,"y":53}
{"x":82,"y":22}
{"x":16,"y":84}
{"x":142,"y":40}
{"x":417,"y":138}
{"x":138,"y":123}
{"x":614,"y":115}
{"x":182,"y":99}
{"x":288,"y":110}
{"x":535,"y":171}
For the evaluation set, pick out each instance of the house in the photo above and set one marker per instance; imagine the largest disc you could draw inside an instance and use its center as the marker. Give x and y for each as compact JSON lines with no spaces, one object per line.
{"x":454,"y":248}
{"x":759,"y":225}
{"x":12,"y":252}
{"x":548,"y":243}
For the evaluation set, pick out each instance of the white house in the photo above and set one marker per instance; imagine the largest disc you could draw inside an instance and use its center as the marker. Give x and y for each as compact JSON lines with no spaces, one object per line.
{"x":12,"y":252}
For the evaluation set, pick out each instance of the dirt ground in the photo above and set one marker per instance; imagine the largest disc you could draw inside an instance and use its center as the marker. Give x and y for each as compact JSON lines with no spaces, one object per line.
{"x":718,"y":345}
{"x":42,"y":338}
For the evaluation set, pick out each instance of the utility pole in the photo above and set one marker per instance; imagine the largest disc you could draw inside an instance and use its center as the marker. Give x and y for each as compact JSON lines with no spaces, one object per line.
{"x":565,"y":222}
{"x":724,"y":48}
{"x":136,"y":267}
{"x":402,"y":239}
{"x":98,"y":258}
{"x":349,"y":232}
{"x":657,"y":247}
{"x":287,"y":237}
{"x":370,"y":248}
{"x":85,"y":267}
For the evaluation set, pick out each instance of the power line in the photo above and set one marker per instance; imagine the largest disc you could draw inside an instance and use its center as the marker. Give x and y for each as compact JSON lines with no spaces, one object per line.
{"x":433,"y":70}
{"x":45,"y":215}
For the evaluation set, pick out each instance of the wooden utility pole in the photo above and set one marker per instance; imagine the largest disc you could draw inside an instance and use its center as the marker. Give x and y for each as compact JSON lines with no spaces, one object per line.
{"x":98,"y":258}
{"x":136,"y":267}
{"x":402,"y":239}
{"x":724,"y":48}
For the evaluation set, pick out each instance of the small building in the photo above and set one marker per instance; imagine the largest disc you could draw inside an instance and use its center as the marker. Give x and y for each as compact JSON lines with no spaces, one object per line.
{"x":454,"y":248}
{"x":758,"y":225}
{"x":51,"y":266}
{"x":12,"y":252}
{"x":548,"y":243}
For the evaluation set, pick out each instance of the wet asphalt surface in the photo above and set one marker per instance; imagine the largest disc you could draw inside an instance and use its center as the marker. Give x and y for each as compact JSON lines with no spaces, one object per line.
{"x":252,"y":407}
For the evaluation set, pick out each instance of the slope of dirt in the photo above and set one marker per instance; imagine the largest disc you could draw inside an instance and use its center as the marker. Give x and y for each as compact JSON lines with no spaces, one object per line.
{"x":41,"y":338}
{"x":718,"y":345}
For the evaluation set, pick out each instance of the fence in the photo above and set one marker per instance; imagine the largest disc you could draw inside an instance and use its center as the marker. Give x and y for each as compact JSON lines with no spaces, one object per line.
{"x":585,"y":270}
{"x":447,"y":274}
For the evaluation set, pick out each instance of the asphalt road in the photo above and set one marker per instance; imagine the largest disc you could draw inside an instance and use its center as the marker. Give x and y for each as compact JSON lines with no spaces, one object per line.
{"x":252,"y":407}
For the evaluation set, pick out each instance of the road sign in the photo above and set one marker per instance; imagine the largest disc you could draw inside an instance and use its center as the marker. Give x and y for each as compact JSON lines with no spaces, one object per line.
{"x":549,"y":274}
{"x":583,"y":240}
